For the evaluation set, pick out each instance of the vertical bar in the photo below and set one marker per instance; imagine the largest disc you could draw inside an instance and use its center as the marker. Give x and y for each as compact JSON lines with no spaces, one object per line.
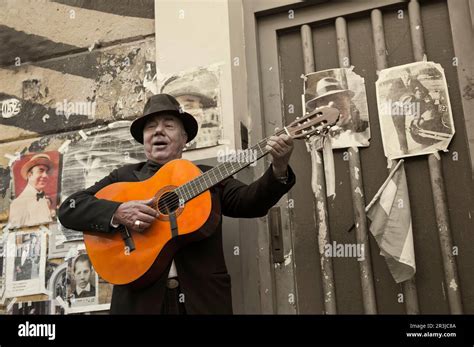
{"x":409,"y":287}
{"x":321,"y":215}
{"x":437,"y":183}
{"x":357,"y":187}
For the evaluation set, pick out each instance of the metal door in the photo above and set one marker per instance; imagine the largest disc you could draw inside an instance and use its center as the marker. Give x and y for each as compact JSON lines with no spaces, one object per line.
{"x":300,"y":284}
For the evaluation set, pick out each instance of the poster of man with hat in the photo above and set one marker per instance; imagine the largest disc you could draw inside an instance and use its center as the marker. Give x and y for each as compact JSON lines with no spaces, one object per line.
{"x":345,"y":90}
{"x":36,"y":181}
{"x":199,"y":94}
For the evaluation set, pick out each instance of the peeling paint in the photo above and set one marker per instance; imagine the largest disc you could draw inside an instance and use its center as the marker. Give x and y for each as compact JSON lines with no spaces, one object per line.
{"x":356,"y":173}
{"x":357,"y":190}
{"x":287,"y":259}
{"x":453,"y":285}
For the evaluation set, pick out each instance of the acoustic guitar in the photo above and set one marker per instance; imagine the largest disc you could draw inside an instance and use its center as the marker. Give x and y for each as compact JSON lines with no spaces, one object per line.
{"x":187,"y":212}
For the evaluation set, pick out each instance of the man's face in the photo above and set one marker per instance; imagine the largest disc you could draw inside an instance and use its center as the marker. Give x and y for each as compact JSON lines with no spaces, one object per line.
{"x":164,"y":138}
{"x":38,"y":177}
{"x":82,"y":274}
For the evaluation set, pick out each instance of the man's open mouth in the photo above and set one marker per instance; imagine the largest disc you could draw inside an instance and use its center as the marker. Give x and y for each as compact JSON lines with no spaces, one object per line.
{"x":160,"y":144}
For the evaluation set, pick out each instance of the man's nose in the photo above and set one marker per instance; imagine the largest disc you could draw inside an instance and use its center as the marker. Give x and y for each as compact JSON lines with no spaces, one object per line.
{"x":159,"y":129}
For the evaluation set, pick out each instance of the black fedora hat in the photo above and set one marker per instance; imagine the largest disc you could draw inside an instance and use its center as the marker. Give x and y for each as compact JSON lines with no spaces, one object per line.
{"x":160,"y":103}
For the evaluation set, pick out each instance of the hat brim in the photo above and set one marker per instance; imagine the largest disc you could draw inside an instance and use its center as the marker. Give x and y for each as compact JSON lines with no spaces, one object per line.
{"x":31,"y":164}
{"x":205,"y":100}
{"x":189,"y":123}
{"x":311,"y":103}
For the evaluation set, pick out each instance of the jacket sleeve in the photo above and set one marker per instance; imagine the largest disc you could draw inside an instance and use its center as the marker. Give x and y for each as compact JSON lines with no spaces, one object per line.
{"x":254,"y":200}
{"x":83,"y":211}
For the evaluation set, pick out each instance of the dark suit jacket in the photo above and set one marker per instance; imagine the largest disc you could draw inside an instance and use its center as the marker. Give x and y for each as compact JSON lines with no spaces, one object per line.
{"x":201,"y":268}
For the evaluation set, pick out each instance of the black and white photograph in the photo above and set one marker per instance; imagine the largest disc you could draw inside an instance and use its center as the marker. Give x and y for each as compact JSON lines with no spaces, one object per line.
{"x":414,"y":110}
{"x":345,"y":90}
{"x":82,"y":284}
{"x":198,"y":93}
{"x":26,"y":269}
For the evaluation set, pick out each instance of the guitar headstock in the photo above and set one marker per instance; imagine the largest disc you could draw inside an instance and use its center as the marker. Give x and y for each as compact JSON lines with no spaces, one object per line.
{"x":316,"y":122}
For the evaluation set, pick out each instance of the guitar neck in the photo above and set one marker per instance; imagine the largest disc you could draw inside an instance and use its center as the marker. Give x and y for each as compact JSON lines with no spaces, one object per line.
{"x":219,"y":173}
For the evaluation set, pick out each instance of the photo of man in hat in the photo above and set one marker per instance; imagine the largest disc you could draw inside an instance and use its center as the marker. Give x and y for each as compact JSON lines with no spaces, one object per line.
{"x":33,"y":206}
{"x":198,"y":271}
{"x":329,"y":87}
{"x":197,"y":91}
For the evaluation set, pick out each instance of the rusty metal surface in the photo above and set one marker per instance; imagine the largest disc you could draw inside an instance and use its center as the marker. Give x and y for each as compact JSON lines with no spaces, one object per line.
{"x":357,"y":189}
{"x":321,"y":214}
{"x":437,"y":183}
{"x":408,"y":287}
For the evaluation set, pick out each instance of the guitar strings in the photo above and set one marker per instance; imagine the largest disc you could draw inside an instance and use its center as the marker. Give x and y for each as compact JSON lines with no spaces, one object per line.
{"x":169,"y":201}
{"x":172,"y":200}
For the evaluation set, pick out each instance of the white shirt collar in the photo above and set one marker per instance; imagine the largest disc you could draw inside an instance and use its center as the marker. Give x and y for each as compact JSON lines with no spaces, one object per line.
{"x":86,"y":289}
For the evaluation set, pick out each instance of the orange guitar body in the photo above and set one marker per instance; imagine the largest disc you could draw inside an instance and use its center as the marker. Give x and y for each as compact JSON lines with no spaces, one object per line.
{"x":154,"y":247}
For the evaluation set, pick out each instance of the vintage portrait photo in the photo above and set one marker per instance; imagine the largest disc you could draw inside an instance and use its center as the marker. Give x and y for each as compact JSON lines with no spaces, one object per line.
{"x":198,"y":92}
{"x":345,"y":90}
{"x":26,"y":266}
{"x":36,"y":189}
{"x":82,"y":282}
{"x":414,"y":110}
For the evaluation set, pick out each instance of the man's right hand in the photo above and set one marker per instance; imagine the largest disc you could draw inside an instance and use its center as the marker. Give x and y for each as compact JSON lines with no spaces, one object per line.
{"x":128,"y":213}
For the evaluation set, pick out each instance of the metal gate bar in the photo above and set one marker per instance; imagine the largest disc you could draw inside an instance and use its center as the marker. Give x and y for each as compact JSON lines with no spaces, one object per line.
{"x":409,"y":286}
{"x":357,"y":189}
{"x":437,"y":183}
{"x":321,"y":214}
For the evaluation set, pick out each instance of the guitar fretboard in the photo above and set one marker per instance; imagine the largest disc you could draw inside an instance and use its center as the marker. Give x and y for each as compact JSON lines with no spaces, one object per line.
{"x":219,"y":173}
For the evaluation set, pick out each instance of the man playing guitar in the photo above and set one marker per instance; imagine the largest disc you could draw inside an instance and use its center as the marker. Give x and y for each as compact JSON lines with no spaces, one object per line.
{"x":195,"y":279}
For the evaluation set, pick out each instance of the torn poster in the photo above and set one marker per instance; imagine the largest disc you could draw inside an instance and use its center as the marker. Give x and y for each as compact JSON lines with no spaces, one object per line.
{"x":26,"y":262}
{"x":414,"y":110}
{"x":345,"y":90}
{"x":198,"y":91}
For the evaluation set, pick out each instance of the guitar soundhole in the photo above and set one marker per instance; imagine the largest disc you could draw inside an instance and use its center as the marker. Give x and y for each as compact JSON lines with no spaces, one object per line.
{"x":168,"y":203}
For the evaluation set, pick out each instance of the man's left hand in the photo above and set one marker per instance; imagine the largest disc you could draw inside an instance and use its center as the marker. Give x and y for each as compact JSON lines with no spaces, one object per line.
{"x":280,"y":148}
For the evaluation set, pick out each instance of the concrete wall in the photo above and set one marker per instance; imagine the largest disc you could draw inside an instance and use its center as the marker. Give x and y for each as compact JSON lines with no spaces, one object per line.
{"x":68,"y":68}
